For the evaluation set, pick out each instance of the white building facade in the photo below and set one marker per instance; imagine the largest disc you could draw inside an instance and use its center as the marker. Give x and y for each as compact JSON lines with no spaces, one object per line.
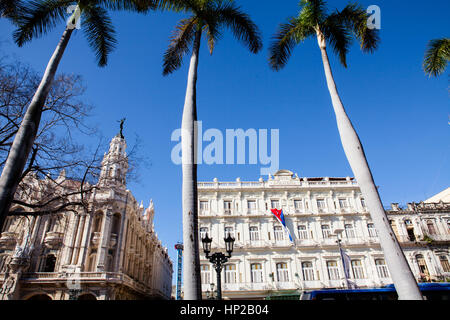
{"x":265,"y":262}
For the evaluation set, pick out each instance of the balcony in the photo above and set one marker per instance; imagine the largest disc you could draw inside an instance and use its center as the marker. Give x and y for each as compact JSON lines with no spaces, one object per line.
{"x":281,"y":243}
{"x":306,"y":242}
{"x":53,"y":240}
{"x":8,"y":240}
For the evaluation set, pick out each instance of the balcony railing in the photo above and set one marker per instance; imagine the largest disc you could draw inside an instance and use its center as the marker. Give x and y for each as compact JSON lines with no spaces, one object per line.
{"x":272,"y":183}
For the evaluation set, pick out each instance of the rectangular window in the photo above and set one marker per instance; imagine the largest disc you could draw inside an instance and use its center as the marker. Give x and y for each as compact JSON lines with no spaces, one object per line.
{"x":321,"y":205}
{"x":350,"y":231}
{"x":308,"y":271}
{"x":282,"y":272}
{"x":227,"y":207}
{"x":363,"y":203}
{"x":205,"y":274}
{"x":230,"y":273}
{"x":298,"y":206}
{"x":229,"y":231}
{"x":358,"y":270}
{"x":333,"y":271}
{"x":254,"y":234}
{"x":382,"y":269}
{"x":372,"y":231}
{"x":444,"y":263}
{"x":251,"y":205}
{"x":279,"y":233}
{"x":256,"y":273}
{"x":275,"y":204}
{"x":326,"y":232}
{"x":302,"y":232}
{"x":343,"y":203}
{"x":203,"y":232}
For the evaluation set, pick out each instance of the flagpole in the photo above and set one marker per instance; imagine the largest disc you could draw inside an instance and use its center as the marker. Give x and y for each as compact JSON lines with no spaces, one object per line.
{"x":337,"y":232}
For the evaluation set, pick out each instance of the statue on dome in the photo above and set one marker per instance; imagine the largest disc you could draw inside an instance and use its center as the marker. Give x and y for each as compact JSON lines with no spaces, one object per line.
{"x":121,"y":127}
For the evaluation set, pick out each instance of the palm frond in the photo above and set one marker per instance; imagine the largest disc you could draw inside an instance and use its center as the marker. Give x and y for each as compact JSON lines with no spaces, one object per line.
{"x":212,"y":35}
{"x":243,"y":28}
{"x":355,"y":17}
{"x":313,"y":11}
{"x":338,"y":35}
{"x":436,"y":56}
{"x":9,"y":8}
{"x":285,"y":39}
{"x":180,"y":42}
{"x":38,"y":18}
{"x":99,"y":31}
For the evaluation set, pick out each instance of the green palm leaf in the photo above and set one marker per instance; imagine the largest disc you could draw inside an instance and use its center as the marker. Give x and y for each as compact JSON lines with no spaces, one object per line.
{"x":179,"y":46}
{"x":38,"y":18}
{"x":100,"y":33}
{"x":241,"y":25}
{"x":436,"y":56}
{"x":288,"y":35}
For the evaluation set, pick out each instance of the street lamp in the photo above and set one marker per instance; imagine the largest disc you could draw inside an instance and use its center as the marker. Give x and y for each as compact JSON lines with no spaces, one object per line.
{"x":337,"y":232}
{"x":218,"y":258}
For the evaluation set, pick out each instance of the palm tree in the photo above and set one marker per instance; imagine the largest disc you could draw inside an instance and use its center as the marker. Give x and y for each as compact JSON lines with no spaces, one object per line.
{"x":9,"y":7}
{"x":207,"y":17}
{"x":35,"y":19}
{"x":436,"y":57}
{"x":337,"y":30}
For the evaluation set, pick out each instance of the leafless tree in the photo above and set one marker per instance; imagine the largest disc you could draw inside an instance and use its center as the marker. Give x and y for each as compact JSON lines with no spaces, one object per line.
{"x":61,"y":172}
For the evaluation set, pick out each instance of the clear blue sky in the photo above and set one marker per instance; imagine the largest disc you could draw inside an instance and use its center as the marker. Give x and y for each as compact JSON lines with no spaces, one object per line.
{"x":401,"y":115}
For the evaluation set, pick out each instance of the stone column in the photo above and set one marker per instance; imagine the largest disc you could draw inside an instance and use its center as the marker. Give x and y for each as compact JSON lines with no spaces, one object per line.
{"x":77,"y":242}
{"x":71,"y":230}
{"x":103,"y":246}
{"x":81,"y":263}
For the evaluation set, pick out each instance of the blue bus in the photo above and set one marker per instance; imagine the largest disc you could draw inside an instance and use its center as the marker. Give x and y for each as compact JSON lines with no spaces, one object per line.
{"x":430,"y":291}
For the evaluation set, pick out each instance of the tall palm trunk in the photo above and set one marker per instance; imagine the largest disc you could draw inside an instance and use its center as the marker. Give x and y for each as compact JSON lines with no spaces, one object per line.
{"x":401,"y":274}
{"x":191,"y":266}
{"x":24,"y":139}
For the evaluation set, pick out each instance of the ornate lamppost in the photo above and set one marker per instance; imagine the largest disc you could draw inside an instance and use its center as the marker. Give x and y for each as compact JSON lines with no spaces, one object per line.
{"x":218,"y":259}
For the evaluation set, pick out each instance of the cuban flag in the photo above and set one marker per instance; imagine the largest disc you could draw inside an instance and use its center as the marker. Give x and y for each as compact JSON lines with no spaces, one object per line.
{"x":280,"y":217}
